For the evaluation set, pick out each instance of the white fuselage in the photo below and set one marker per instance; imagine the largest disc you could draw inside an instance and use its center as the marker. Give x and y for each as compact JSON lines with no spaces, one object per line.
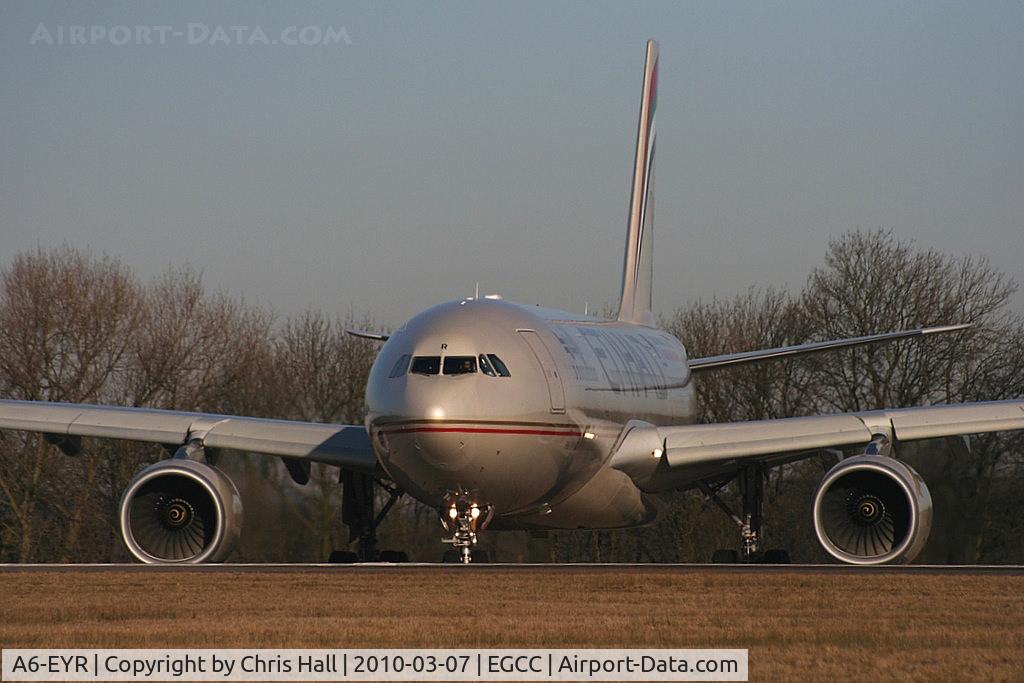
{"x":533,"y":444}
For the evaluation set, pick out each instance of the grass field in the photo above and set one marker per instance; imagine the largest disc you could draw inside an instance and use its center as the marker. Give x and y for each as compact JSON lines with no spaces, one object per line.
{"x":817,"y":626}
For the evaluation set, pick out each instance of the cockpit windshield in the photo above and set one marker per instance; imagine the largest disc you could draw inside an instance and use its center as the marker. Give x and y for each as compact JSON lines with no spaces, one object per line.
{"x":488,"y":363}
{"x":499,"y":367}
{"x":400,"y":367}
{"x":426,"y":365}
{"x":459,"y":365}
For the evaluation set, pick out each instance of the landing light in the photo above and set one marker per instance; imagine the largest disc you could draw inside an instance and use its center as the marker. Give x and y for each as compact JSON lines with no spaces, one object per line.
{"x":657,"y":452}
{"x":474,"y":511}
{"x":437,"y":412}
{"x":588,"y":435}
{"x":452,"y":512}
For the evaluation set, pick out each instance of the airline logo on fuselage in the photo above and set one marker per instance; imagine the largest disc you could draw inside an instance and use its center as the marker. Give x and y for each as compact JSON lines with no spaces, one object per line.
{"x":639,"y":361}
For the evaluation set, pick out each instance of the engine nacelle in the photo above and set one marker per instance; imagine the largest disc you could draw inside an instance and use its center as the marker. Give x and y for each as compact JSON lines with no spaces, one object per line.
{"x":872,"y":509}
{"x":181,"y":511}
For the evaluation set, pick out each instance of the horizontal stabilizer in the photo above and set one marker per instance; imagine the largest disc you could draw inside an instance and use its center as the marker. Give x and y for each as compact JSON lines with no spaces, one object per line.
{"x":730,"y":359}
{"x":363,"y":334}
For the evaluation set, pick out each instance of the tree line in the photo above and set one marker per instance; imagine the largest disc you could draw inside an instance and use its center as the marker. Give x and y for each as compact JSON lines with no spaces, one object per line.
{"x":86,"y":329}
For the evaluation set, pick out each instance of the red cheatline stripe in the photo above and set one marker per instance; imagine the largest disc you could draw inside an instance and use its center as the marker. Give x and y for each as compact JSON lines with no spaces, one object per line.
{"x":483,"y":430}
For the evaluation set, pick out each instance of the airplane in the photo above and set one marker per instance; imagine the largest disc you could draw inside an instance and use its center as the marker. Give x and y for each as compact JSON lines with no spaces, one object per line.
{"x":509,"y":416}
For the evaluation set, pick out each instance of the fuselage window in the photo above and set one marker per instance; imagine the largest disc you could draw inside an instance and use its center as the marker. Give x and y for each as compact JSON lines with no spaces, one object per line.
{"x":401,"y":366}
{"x":459,"y":365}
{"x":485,"y":366}
{"x":498,"y":366}
{"x":426,"y":365}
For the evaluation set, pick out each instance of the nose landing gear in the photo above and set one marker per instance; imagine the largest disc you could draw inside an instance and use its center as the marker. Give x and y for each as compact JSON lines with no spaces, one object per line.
{"x":462,"y":517}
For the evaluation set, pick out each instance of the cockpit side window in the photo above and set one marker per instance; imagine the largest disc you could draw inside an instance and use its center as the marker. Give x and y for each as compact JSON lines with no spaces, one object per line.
{"x":459,"y":365}
{"x":400,"y":367}
{"x":498,"y":366}
{"x":485,"y":366}
{"x":426,"y":365}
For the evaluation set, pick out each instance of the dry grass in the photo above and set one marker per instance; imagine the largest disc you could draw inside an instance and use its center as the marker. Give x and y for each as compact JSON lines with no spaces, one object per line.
{"x":880,"y":626}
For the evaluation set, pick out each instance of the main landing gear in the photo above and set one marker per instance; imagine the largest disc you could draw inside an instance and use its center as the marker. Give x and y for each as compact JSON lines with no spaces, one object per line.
{"x":749,"y":521}
{"x":358,"y":514}
{"x":462,"y":517}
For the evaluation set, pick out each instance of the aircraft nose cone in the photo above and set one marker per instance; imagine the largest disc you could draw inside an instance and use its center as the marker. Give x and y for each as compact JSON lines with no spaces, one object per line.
{"x":440,"y":446}
{"x":508,"y":465}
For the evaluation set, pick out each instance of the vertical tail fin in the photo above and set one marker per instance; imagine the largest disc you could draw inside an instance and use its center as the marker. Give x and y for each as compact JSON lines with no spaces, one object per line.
{"x":638,"y":268}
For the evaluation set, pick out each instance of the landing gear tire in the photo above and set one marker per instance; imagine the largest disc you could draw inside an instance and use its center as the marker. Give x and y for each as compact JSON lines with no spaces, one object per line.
{"x":454,"y":556}
{"x":358,"y":513}
{"x":395,"y":556}
{"x":749,"y":521}
{"x":776,"y":556}
{"x":725,"y":556}
{"x":343,"y":557}
{"x":462,"y":516}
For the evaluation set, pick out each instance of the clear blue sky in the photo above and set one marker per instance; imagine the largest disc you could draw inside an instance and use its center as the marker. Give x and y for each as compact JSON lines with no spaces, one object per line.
{"x":448,"y":144}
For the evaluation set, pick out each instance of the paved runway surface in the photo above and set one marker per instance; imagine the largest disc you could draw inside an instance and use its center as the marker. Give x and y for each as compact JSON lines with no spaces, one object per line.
{"x":379,"y":567}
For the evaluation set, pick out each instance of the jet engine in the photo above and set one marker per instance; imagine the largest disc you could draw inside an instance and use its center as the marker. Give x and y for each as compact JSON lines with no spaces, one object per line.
{"x":872,"y":509}
{"x":181,"y":511}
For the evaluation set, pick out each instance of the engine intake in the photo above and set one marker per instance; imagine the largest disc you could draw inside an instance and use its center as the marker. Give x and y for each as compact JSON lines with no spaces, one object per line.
{"x":181,"y":511}
{"x":872,"y":509}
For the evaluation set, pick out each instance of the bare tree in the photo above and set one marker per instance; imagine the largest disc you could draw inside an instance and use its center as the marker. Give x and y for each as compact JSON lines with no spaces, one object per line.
{"x":66,"y":322}
{"x":323,"y":369}
{"x":872,"y":282}
{"x":195,"y":351}
{"x":754,"y":320}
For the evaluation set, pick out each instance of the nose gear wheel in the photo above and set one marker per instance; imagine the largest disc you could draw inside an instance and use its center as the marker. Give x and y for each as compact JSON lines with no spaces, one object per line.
{"x":463,"y":517}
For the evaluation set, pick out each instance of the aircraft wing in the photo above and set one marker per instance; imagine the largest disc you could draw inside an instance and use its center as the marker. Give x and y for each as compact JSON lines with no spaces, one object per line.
{"x":641,"y":449}
{"x":346,"y":446}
